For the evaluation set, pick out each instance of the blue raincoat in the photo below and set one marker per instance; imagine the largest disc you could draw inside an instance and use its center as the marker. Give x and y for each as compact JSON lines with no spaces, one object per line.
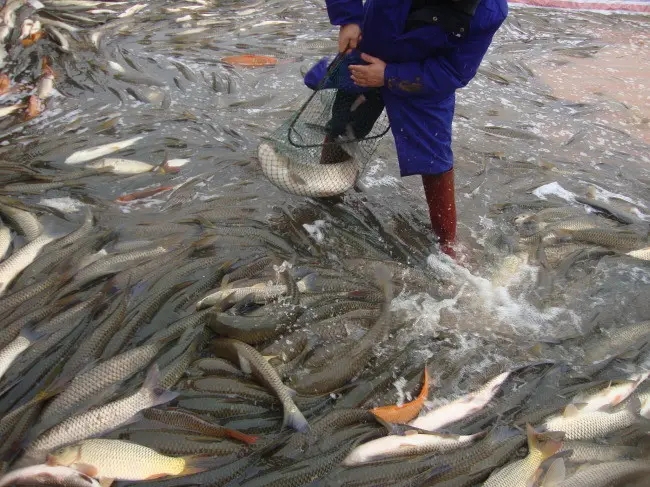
{"x":425,"y":67}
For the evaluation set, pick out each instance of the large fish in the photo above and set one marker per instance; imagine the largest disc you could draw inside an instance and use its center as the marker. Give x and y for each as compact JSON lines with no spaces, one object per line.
{"x":316,"y":180}
{"x":251,"y":361}
{"x":100,"y":151}
{"x":595,"y":424}
{"x":117,"y":459}
{"x":99,"y":420}
{"x":48,"y":475}
{"x":518,"y":474}
{"x":20,"y":259}
{"x":408,"y":411}
{"x":411,"y":443}
{"x":461,"y":407}
{"x":11,"y":352}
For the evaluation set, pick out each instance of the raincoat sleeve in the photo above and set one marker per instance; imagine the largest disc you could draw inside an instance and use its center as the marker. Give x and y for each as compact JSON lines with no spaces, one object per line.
{"x":439,"y":77}
{"x":343,"y":12}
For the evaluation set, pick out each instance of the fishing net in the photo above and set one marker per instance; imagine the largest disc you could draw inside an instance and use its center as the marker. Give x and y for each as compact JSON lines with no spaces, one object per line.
{"x":324,"y":147}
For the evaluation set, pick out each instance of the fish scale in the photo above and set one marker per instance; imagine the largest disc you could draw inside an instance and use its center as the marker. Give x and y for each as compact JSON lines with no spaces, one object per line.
{"x":25,"y":223}
{"x":98,"y":379}
{"x":183,"y":443}
{"x":144,"y":314}
{"x":98,"y":420}
{"x":20,"y":259}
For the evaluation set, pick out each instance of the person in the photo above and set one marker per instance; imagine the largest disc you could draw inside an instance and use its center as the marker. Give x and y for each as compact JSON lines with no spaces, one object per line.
{"x":411,"y":57}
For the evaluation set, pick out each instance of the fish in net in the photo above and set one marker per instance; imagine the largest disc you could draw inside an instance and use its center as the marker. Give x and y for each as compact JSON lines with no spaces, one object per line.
{"x":325,"y":146}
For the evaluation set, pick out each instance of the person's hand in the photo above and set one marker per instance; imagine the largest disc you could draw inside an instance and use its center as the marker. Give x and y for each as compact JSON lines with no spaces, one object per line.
{"x":369,"y":75}
{"x":349,"y":37}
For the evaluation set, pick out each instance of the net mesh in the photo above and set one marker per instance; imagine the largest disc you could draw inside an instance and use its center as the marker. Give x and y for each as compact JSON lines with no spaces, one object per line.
{"x":325,"y":146}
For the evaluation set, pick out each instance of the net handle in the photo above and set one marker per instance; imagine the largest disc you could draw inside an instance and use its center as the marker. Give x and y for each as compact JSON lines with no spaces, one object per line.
{"x":336,"y":62}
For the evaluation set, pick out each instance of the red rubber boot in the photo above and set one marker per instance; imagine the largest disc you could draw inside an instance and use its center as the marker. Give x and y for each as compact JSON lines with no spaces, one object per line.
{"x":439,"y":191}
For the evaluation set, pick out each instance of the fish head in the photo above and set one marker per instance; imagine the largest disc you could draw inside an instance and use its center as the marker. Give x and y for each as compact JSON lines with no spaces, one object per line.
{"x":65,"y":456}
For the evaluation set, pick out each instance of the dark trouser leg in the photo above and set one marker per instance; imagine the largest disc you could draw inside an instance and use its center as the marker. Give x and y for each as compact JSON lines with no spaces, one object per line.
{"x":361,"y":120}
{"x":440,"y":194}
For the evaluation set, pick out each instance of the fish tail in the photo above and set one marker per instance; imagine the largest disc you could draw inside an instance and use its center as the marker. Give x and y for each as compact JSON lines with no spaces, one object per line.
{"x":295,"y":420}
{"x":237,"y":435}
{"x":159,"y":395}
{"x":197,"y":464}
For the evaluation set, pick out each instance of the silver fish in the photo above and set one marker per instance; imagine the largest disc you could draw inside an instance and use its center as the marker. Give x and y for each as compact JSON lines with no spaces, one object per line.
{"x":316,"y":180}
{"x":99,"y":420}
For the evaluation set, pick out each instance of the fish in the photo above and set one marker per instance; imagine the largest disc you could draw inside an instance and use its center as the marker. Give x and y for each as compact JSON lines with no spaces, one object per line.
{"x":121,"y":460}
{"x":259,"y":292}
{"x":250,"y":361}
{"x":408,"y":411}
{"x":624,"y":241}
{"x":540,"y":447}
{"x":45,"y":86}
{"x":5,"y":241}
{"x":354,"y":356}
{"x":411,"y":443}
{"x":606,"y":344}
{"x":100,"y":150}
{"x":612,"y":395}
{"x":315,"y":180}
{"x":177,"y":443}
{"x":20,"y":259}
{"x":250,"y":60}
{"x":190,"y":422}
{"x":8,"y":110}
{"x":601,"y":475}
{"x":99,"y":420}
{"x":642,"y":254}
{"x":99,"y":380}
{"x":11,"y":352}
{"x":145,"y":193}
{"x":461,"y":407}
{"x":48,"y":475}
{"x":589,"y":452}
{"x":23,"y":221}
{"x":121,"y":166}
{"x":578,"y":425}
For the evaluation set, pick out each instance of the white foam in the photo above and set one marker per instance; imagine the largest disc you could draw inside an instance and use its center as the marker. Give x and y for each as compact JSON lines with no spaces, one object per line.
{"x":315,"y":231}
{"x":65,"y":204}
{"x":556,"y":189}
{"x":497,"y":303}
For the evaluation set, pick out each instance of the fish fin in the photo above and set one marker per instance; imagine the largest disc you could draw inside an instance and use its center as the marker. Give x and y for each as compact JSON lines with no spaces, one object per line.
{"x":238,"y":435}
{"x":555,"y":474}
{"x":635,"y":406}
{"x":198,"y":463}
{"x":292,"y":392}
{"x":297,"y":179}
{"x":547,"y":443}
{"x":411,"y":433}
{"x":296,"y":420}
{"x":152,"y":384}
{"x":268,"y":358}
{"x":106,"y":482}
{"x":160,"y":475}
{"x":86,"y":469}
{"x":571,"y":411}
{"x":244,"y":364}
{"x":308,"y":283}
